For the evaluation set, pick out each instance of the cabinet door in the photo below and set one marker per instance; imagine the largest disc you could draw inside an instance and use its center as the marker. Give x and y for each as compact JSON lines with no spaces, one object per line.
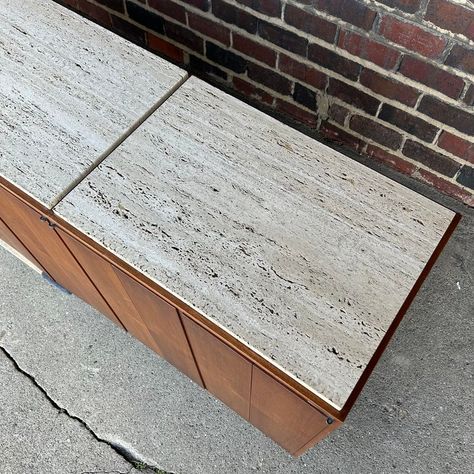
{"x":9,"y":238}
{"x":164,"y":324}
{"x":49,"y":250}
{"x":282,"y":415}
{"x":225,"y":373}
{"x":108,"y":283}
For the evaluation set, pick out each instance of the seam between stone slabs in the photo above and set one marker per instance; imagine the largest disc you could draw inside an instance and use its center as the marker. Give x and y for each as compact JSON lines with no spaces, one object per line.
{"x":120,"y":450}
{"x":117,"y":143}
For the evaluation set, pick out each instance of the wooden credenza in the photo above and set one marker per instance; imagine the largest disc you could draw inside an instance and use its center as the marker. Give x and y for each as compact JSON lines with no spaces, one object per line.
{"x":265,"y":266}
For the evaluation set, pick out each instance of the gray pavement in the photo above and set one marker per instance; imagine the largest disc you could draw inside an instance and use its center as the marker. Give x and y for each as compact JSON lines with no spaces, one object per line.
{"x":415,"y":414}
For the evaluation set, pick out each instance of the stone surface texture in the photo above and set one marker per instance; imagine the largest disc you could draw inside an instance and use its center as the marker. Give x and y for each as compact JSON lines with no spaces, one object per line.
{"x":297,"y":250}
{"x":69,"y":90}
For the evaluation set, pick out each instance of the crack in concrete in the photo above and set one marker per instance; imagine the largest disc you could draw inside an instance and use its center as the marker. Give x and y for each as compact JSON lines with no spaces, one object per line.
{"x":120,"y":450}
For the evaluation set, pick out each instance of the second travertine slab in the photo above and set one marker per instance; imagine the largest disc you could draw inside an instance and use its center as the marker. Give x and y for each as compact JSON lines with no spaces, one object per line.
{"x":300,"y":252}
{"x":69,"y":90}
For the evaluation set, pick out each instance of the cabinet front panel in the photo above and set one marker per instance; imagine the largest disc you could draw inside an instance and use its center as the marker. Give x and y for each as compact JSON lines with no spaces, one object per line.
{"x":225,"y":373}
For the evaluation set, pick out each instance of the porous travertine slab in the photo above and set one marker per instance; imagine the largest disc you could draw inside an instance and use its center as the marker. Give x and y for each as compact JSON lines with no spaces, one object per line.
{"x":69,"y":90}
{"x":297,"y":250}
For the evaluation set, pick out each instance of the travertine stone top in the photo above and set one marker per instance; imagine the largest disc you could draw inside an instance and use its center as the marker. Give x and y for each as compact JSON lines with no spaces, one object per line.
{"x":69,"y":90}
{"x":299,"y":251}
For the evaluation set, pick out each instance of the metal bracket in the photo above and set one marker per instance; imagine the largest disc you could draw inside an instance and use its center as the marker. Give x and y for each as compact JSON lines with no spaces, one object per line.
{"x":55,"y":284}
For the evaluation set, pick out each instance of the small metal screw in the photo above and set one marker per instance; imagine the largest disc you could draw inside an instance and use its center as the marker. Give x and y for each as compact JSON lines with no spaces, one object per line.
{"x":329,"y":421}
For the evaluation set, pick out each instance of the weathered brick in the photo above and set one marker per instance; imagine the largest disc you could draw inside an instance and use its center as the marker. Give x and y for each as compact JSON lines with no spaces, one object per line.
{"x":447,"y":114}
{"x":297,"y":113}
{"x":226,"y":58}
{"x":409,"y":123}
{"x":451,"y":17}
{"x":234,"y":16}
{"x":389,"y":87}
{"x":352,"y":96}
{"x":436,"y":161}
{"x":409,"y":6}
{"x":461,"y":58}
{"x":128,"y":30}
{"x":338,"y":113}
{"x":99,"y":15}
{"x":375,"y":131}
{"x":209,"y":28}
{"x":391,"y":160}
{"x":161,"y":46}
{"x":312,"y":24}
{"x":466,"y":177}
{"x":201,"y":4}
{"x":304,"y":96}
{"x":469,"y":97}
{"x":457,"y":146}
{"x":283,"y":38}
{"x":351,"y":11}
{"x":198,"y":66}
{"x":145,"y":17}
{"x":184,"y":36}
{"x":253,"y":49}
{"x":117,"y":5}
{"x":340,"y":136}
{"x":432,"y":76}
{"x":169,"y":8}
{"x":301,"y":71}
{"x":268,"y":7}
{"x":269,"y":78}
{"x":447,"y":187}
{"x":252,"y":91}
{"x":331,"y":60}
{"x":412,"y":37}
{"x":364,"y":47}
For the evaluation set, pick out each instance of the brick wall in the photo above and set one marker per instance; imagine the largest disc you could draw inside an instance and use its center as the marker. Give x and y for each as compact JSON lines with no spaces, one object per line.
{"x":390,"y":79}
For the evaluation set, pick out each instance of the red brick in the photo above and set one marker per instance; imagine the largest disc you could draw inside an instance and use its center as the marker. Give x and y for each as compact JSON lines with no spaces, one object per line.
{"x":269,"y":78}
{"x":69,"y":3}
{"x":301,"y":71}
{"x":365,"y":48}
{"x":432,"y":76}
{"x":461,"y":58}
{"x":376,"y":132}
{"x":469,"y":96}
{"x":389,"y":87}
{"x":184,"y":36}
{"x":447,"y":114}
{"x":451,"y":17}
{"x":250,"y":90}
{"x":352,"y":96}
{"x":331,"y":60}
{"x":466,"y":176}
{"x":117,"y":5}
{"x":338,"y":113}
{"x":447,"y":187}
{"x":395,"y":162}
{"x":201,"y":4}
{"x":267,"y":7}
{"x":348,"y":10}
{"x":204,"y":69}
{"x":409,"y":6}
{"x":234,"y":16}
{"x":412,"y":37}
{"x":99,"y":15}
{"x":457,"y":146}
{"x":296,"y":113}
{"x":409,"y":123}
{"x":225,"y":57}
{"x":209,"y":28}
{"x":283,"y":38}
{"x":167,"y":49}
{"x":169,"y":8}
{"x":255,"y":50}
{"x":430,"y":158}
{"x":128,"y":30}
{"x":340,"y":136}
{"x":312,"y":24}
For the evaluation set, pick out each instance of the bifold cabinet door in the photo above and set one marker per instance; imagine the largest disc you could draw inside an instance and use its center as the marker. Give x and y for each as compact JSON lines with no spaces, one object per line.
{"x":226,"y":374}
{"x":282,"y":415}
{"x":164,"y":324}
{"x":49,"y":250}
{"x":9,"y":237}
{"x":101,"y":272}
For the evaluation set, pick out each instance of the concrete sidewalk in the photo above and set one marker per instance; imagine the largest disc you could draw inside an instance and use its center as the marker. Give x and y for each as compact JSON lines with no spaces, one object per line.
{"x":77,"y":395}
